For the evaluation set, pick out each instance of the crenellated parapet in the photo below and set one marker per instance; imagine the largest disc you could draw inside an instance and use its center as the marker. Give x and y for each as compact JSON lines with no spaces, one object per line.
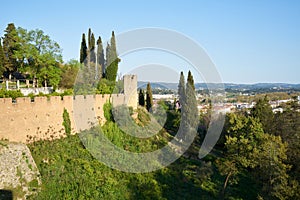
{"x":41,"y":117}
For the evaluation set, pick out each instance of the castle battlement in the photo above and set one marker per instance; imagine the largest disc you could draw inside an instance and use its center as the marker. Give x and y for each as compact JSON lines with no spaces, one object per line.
{"x":42,"y":117}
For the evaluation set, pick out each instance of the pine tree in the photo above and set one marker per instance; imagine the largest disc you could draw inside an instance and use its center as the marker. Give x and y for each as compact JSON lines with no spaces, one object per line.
{"x":100,"y":58}
{"x":83,"y":50}
{"x":149,"y":99}
{"x":9,"y":46}
{"x":141,"y":98}
{"x":2,"y":68}
{"x":263,"y":111}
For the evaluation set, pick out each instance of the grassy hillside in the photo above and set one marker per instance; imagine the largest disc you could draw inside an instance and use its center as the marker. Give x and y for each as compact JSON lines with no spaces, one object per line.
{"x":68,"y":171}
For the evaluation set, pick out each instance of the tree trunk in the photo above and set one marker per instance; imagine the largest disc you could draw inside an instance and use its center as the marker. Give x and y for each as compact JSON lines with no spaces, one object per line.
{"x":225,"y":185}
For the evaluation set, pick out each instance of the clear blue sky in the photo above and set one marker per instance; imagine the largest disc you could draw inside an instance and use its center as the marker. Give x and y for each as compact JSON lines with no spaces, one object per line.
{"x":249,"y":41}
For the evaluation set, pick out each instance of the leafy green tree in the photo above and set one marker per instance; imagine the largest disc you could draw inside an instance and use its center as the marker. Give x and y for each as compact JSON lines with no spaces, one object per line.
{"x":248,"y":147}
{"x":83,"y":50}
{"x":100,"y":58}
{"x":287,"y":126}
{"x":105,"y":86}
{"x":39,"y":56}
{"x":241,"y":147}
{"x":271,"y":170}
{"x":69,"y":73}
{"x":141,"y":98}
{"x":149,"y":99}
{"x":10,"y":45}
{"x":2,"y":68}
{"x":263,"y":111}
{"x":50,"y":76}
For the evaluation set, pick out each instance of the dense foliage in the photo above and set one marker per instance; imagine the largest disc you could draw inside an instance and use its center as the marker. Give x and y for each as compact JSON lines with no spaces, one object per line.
{"x":96,"y":67}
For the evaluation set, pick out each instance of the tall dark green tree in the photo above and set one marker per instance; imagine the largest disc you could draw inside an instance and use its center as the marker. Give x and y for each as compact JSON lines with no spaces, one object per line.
{"x":2,"y":68}
{"x":189,"y":111}
{"x":181,"y":88}
{"x":287,"y":126}
{"x":190,"y":105}
{"x":10,"y":44}
{"x":149,"y":99}
{"x":92,"y":49}
{"x":190,"y":79}
{"x":141,"y":98}
{"x":83,"y":50}
{"x":113,"y":46}
{"x":100,"y":58}
{"x":263,"y":111}
{"x":112,"y":60}
{"x":107,"y":58}
{"x":89,"y":38}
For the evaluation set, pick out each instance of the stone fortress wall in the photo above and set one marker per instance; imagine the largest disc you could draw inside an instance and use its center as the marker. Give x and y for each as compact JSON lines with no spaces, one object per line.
{"x":43,"y":119}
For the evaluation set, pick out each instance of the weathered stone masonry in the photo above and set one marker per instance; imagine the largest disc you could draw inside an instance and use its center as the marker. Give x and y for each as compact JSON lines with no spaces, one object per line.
{"x":43,"y":117}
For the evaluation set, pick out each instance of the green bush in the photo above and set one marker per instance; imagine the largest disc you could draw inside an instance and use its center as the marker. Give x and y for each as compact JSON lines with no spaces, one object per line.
{"x":105,"y":86}
{"x":107,"y":108}
{"x":67,"y":122}
{"x":10,"y":94}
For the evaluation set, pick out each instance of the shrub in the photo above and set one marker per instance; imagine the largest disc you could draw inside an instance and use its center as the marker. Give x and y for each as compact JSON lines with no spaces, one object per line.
{"x":107,"y":108}
{"x":10,"y":94}
{"x":67,"y":122}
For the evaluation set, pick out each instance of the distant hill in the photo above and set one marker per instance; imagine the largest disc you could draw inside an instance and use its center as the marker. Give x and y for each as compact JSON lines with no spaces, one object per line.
{"x":233,"y":86}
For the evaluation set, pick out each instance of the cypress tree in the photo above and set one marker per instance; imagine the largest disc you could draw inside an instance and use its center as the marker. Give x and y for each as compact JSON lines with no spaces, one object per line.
{"x":92,"y":49}
{"x":2,"y":68}
{"x":141,"y":98}
{"x":89,"y":38}
{"x":149,"y":99}
{"x":181,"y":88}
{"x":83,"y":50}
{"x":107,"y":60}
{"x":100,"y":58}
{"x":190,"y":80}
{"x":189,"y":110}
{"x":112,"y":60}
{"x":113,"y":48}
{"x":190,"y":105}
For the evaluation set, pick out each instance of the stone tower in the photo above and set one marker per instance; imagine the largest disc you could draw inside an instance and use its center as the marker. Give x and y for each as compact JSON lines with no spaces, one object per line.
{"x":130,"y":90}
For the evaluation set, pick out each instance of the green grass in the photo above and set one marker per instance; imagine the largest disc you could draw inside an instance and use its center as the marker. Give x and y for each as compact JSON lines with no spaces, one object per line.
{"x":69,"y":171}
